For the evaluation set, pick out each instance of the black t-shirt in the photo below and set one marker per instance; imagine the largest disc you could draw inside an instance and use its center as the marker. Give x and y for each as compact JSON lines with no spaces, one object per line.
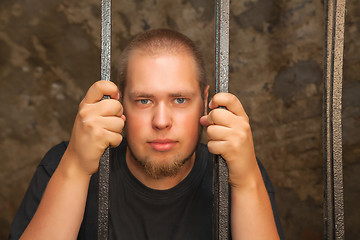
{"x":136,"y":211}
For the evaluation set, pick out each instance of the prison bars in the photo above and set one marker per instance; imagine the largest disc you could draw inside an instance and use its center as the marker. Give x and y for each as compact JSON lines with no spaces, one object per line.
{"x":221,"y":173}
{"x":333,"y":66}
{"x":104,"y":165}
{"x":332,"y":139}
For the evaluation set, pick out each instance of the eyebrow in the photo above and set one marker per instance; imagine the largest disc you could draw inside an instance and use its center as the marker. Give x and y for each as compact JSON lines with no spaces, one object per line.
{"x":140,"y":94}
{"x":182,"y":94}
{"x":137,"y":94}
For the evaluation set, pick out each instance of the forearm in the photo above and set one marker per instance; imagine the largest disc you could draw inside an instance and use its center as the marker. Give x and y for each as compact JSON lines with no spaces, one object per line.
{"x":61,"y":209}
{"x":251,"y":212}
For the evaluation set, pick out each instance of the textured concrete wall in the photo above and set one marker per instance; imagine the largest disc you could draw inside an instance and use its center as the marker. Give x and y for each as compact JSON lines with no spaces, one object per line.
{"x":49,"y":56}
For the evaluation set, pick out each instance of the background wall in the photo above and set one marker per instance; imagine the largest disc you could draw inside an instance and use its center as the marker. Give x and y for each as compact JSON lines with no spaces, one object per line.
{"x":49,"y":56}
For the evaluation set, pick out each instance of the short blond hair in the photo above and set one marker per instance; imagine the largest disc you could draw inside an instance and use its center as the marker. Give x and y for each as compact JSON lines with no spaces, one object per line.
{"x":159,"y":41}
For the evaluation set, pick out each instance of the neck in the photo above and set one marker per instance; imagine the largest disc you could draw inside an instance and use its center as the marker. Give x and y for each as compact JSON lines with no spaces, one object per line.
{"x":163,"y":183}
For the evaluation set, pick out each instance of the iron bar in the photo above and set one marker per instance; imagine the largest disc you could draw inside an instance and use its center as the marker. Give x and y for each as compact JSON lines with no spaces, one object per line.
{"x":104,"y":165}
{"x":221,"y":172}
{"x":333,"y":74}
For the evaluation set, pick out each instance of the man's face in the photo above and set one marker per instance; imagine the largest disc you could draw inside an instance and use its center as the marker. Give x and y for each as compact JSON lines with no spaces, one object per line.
{"x":162,"y":103}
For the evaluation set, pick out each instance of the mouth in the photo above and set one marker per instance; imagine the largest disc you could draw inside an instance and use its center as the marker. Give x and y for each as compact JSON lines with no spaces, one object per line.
{"x":162,"y":145}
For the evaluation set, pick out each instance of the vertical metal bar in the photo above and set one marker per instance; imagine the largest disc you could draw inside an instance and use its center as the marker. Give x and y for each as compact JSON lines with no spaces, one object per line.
{"x":221,"y":172}
{"x":104,"y":165}
{"x":333,"y":73}
{"x":105,"y":39}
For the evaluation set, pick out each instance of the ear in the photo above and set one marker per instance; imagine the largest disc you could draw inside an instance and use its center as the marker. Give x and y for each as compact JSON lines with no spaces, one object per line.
{"x":206,"y":96}
{"x":121,"y":100}
{"x":120,"y":96}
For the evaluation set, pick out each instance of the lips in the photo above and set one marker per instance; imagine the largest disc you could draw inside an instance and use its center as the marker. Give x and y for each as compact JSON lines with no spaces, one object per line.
{"x":162,"y":145}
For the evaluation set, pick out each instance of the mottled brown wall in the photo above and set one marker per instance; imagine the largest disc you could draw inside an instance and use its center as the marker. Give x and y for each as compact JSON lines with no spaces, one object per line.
{"x":49,"y":56}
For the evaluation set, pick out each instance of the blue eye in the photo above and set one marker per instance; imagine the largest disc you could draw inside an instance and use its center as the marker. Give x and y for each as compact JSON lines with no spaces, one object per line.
{"x":180,"y":100}
{"x":144,"y":101}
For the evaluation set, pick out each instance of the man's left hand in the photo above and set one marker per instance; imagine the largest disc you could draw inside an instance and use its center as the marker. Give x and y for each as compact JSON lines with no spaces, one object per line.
{"x":229,"y":135}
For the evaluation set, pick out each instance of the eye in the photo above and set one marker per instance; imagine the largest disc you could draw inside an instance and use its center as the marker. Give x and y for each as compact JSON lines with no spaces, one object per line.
{"x":144,"y":101}
{"x":180,"y":100}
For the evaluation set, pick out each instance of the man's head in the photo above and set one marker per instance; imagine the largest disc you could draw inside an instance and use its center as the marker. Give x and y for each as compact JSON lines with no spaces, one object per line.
{"x":164,"y":94}
{"x":161,"y":41}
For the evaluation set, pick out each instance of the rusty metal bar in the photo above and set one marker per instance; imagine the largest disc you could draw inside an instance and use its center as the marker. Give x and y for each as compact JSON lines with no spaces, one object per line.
{"x":221,"y":173}
{"x":104,"y":165}
{"x":333,"y":74}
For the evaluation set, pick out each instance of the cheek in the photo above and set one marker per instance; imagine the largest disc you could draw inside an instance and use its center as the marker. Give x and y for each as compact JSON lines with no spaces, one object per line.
{"x":134,"y":123}
{"x":189,"y":123}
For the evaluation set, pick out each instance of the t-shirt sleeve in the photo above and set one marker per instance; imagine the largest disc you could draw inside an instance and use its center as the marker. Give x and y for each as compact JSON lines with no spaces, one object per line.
{"x":36,"y":189}
{"x":271,"y":192}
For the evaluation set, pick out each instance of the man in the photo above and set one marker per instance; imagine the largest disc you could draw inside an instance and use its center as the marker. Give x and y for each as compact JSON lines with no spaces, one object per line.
{"x":160,"y":175}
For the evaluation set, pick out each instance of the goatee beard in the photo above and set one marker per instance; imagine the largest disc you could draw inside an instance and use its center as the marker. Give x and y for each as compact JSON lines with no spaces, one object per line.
{"x":157,"y":171}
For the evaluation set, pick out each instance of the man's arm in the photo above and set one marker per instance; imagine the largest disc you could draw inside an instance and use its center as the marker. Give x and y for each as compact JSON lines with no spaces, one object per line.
{"x":229,"y":135}
{"x":62,"y":206}
{"x":98,"y":124}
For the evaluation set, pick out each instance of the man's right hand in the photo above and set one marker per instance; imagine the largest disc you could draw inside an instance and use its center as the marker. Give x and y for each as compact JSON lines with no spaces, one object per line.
{"x":98,"y":124}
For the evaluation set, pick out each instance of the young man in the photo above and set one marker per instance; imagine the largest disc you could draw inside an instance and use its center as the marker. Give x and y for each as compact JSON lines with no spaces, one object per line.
{"x":160,"y":175}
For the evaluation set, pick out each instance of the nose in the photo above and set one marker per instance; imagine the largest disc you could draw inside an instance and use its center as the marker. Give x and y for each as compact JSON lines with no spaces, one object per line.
{"x":162,"y":117}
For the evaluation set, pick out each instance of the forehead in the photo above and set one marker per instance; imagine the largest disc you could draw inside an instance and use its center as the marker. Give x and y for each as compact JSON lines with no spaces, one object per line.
{"x":162,"y":73}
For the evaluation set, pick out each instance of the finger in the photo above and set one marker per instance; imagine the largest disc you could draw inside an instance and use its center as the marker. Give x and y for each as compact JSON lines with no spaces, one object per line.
{"x":100,"y":89}
{"x":113,"y":139}
{"x":108,"y":107}
{"x":217,"y":116}
{"x":230,"y":101}
{"x":217,"y":133}
{"x":221,"y":116}
{"x":217,"y":147}
{"x":98,"y":128}
{"x":206,"y":120}
{"x":113,"y":124}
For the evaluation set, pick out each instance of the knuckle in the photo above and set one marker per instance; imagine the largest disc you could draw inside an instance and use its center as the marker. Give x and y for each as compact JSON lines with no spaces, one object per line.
{"x":242,"y":137}
{"x":82,"y":113}
{"x":89,"y":126}
{"x":214,"y":114}
{"x":118,"y":105}
{"x":219,"y":95}
{"x":211,"y":114}
{"x":81,"y":104}
{"x":246,"y":126}
{"x":233,"y":98}
{"x":246,"y":117}
{"x":211,"y":146}
{"x":116,"y":140}
{"x":97,"y":134}
{"x":210,"y":130}
{"x":98,"y":84}
{"x":235,"y":144}
{"x":119,"y":125}
{"x":112,"y":107}
{"x":122,"y":124}
{"x":106,"y":106}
